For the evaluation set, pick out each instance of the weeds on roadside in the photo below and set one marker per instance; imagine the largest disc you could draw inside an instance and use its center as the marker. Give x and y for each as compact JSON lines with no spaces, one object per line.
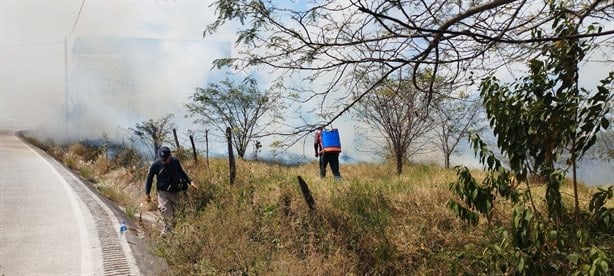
{"x":372,"y":222}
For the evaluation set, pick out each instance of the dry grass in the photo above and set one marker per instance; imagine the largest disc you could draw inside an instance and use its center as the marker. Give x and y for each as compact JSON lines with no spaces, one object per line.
{"x":371,"y":222}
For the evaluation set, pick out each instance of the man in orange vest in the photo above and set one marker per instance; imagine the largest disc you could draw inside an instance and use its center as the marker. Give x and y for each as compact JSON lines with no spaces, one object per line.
{"x":328,"y":155}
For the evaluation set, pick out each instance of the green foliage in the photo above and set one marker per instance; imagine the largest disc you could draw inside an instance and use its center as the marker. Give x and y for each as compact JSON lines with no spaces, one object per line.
{"x":474,"y":195}
{"x":114,"y":193}
{"x":70,"y":160}
{"x":536,"y":247}
{"x":155,"y":133}
{"x":480,"y":197}
{"x":597,"y":263}
{"x":242,"y":107}
{"x":601,"y":216}
{"x":87,"y":172}
{"x":545,"y":113}
{"x":535,"y":120}
{"x":594,"y":115}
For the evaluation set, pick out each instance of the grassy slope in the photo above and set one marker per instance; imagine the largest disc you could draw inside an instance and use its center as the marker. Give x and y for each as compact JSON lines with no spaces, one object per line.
{"x":372,"y":222}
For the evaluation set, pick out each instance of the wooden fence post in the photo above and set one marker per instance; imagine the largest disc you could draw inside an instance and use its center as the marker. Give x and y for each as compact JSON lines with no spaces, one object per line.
{"x":193,"y":149}
{"x":179,"y":152}
{"x":306,"y":194}
{"x":231,"y":158}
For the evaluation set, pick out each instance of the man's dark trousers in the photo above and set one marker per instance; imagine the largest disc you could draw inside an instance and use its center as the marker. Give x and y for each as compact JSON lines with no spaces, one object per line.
{"x":331,"y":158}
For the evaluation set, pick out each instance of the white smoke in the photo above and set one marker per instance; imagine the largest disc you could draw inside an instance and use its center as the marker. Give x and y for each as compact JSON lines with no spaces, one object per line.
{"x":125,"y":62}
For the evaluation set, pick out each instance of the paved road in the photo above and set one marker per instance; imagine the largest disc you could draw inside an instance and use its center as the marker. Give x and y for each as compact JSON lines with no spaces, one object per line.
{"x":50,"y":222}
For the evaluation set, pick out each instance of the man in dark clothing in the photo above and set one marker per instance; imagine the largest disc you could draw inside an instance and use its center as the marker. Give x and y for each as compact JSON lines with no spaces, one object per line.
{"x":171,"y":179}
{"x":328,"y":155}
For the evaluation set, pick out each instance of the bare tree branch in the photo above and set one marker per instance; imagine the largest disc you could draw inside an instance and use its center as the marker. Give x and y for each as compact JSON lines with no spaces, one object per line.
{"x":326,"y":42}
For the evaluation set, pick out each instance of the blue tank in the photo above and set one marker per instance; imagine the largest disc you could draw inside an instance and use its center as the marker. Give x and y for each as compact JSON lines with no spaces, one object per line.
{"x":330,"y":138}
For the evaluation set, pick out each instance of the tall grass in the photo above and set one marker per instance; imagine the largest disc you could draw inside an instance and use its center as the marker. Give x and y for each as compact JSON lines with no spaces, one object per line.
{"x":371,"y":222}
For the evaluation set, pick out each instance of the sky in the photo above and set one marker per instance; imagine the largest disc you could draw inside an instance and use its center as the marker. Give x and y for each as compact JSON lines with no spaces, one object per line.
{"x":148,"y":56}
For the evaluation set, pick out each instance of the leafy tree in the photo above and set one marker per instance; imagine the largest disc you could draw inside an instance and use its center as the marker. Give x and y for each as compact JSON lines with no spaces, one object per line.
{"x":398,"y":112}
{"x":535,"y":120}
{"x":545,"y":114}
{"x":329,"y":40}
{"x":155,"y":132}
{"x":242,"y":107}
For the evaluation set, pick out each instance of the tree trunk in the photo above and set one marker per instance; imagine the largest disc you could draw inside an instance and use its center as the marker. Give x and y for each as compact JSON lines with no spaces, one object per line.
{"x":399,"y":160}
{"x":575,"y":181}
{"x":156,"y":148}
{"x":207,"y":146}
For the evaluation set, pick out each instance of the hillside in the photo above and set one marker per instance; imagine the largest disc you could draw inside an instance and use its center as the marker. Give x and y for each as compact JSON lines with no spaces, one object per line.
{"x":371,"y":222}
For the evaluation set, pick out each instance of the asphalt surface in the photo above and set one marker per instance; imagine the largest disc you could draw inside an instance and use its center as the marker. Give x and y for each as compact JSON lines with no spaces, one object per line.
{"x":51,"y":223}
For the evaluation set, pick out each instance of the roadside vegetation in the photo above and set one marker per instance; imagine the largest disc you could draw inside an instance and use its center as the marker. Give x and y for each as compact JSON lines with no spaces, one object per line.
{"x":525,"y":213}
{"x":372,"y":222}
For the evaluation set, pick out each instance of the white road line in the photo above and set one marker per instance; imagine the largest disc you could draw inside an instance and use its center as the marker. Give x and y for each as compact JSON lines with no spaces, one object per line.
{"x":87,"y":267}
{"x":86,"y":244}
{"x":134,"y":270}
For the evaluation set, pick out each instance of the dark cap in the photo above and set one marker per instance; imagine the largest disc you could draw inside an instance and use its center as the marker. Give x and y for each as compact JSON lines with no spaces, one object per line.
{"x":165,"y":152}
